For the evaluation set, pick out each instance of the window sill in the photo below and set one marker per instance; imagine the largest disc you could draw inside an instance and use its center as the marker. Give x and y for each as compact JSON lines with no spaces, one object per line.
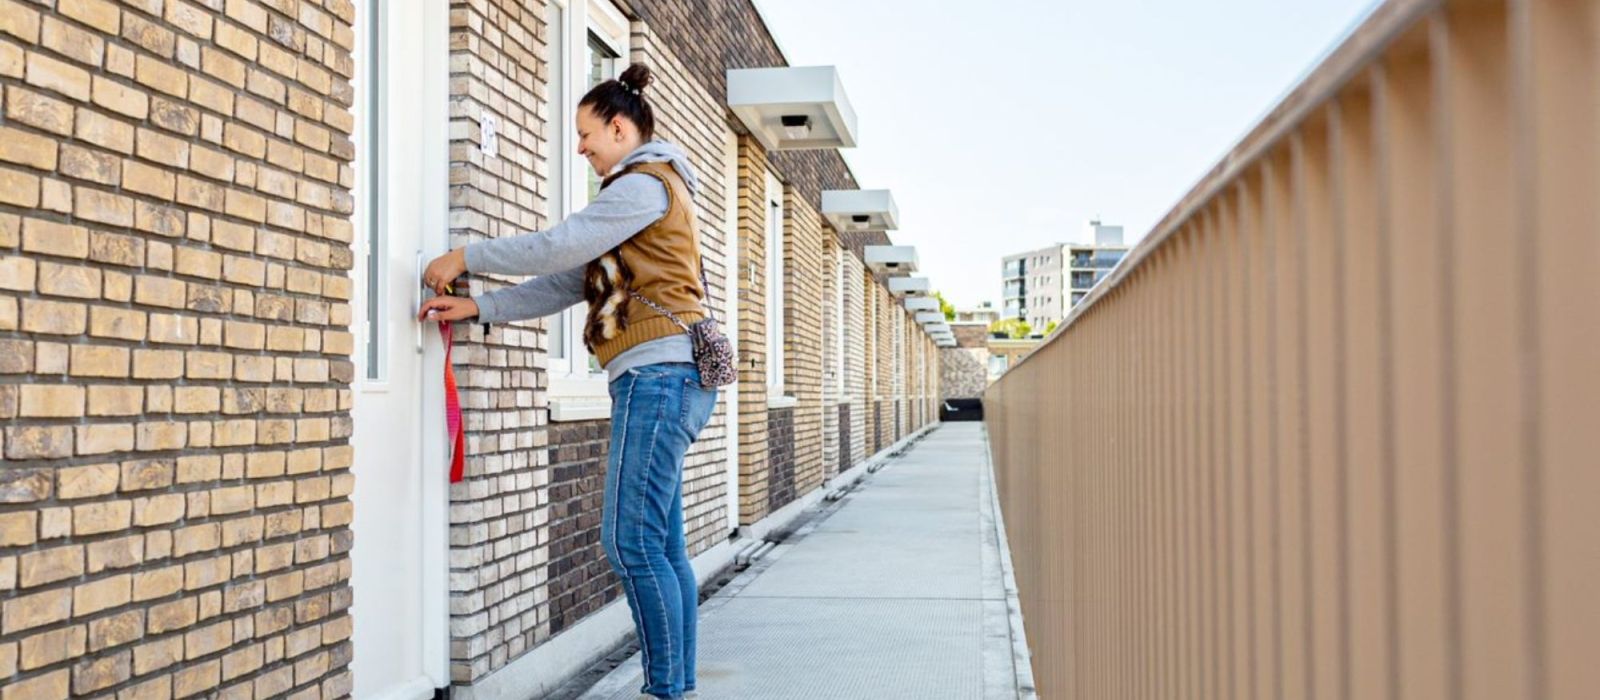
{"x":574,"y":409}
{"x":782,"y":402}
{"x":579,"y":398}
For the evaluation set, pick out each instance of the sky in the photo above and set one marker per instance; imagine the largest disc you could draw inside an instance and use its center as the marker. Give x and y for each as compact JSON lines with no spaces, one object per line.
{"x":1005,"y":125}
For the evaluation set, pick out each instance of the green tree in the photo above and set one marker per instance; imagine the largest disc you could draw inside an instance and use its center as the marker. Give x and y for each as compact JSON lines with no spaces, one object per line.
{"x":1014,"y":328}
{"x":945,"y":307}
{"x":1050,"y":328}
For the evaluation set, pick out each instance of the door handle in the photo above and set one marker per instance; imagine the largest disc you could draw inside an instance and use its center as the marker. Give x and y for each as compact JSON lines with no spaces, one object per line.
{"x":416,"y":279}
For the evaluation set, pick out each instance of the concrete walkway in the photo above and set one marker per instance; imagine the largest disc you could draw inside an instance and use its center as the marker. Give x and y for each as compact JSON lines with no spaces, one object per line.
{"x":899,"y":590}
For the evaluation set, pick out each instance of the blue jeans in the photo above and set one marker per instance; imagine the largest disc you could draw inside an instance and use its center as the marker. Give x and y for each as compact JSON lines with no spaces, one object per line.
{"x":656,"y":413}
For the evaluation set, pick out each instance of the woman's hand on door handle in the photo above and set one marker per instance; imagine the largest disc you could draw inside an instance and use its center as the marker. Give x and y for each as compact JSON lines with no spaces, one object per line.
{"x":444,"y":270}
{"x":447,"y":309}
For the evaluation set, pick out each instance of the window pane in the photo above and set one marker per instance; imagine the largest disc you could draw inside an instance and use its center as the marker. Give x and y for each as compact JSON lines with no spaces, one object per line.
{"x":557,"y":340}
{"x":997,"y":365}
{"x":602,"y":61}
{"x":376,"y":329}
{"x":774,"y":249}
{"x":558,"y":124}
{"x":603,"y":65}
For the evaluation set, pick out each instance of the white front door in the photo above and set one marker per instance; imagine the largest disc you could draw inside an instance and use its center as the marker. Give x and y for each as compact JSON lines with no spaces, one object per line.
{"x":399,"y":563}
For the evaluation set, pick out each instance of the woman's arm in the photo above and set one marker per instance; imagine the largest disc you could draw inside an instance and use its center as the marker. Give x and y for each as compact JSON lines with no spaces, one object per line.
{"x":540,"y":296}
{"x":625,"y":207}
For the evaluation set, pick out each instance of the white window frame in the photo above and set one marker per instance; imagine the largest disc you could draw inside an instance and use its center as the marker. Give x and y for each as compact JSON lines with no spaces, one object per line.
{"x":577,"y":390}
{"x":1002,"y":360}
{"x":774,"y":296}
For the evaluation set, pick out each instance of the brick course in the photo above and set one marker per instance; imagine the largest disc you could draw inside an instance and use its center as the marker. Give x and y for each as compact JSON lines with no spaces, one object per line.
{"x":500,"y":536}
{"x":885,"y":309}
{"x":581,"y":580}
{"x":831,"y":359}
{"x":689,"y":115}
{"x":857,"y":380}
{"x":753,"y":469}
{"x":803,"y":249}
{"x":782,"y":488}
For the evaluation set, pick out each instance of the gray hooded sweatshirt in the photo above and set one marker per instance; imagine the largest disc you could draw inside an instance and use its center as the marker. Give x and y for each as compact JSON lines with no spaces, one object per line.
{"x":559,"y":256}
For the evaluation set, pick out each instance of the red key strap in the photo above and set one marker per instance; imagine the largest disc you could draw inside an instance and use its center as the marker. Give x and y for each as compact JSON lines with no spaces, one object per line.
{"x":452,"y":410}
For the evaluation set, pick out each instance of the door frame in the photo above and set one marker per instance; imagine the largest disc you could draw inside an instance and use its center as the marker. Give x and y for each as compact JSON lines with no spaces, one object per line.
{"x":435,"y":40}
{"x":431,"y":39}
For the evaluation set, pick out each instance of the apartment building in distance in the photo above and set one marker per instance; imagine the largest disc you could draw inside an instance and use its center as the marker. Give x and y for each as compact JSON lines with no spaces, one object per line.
{"x":1041,"y":286}
{"x":984,"y":313}
{"x":1088,"y":263}
{"x":1031,"y":285}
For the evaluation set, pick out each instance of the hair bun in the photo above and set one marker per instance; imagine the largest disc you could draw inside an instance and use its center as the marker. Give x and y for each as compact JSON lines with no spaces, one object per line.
{"x":637,"y":77}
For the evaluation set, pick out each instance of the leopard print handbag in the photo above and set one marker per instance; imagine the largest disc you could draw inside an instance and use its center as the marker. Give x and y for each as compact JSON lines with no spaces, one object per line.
{"x":713,"y":352}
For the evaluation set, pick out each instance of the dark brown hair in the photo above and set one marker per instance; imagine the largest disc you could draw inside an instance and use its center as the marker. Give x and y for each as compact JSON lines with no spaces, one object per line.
{"x":624,"y":96}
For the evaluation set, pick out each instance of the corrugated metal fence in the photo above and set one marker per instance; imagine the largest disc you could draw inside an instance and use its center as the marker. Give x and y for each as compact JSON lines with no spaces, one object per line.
{"x":1333,"y":430}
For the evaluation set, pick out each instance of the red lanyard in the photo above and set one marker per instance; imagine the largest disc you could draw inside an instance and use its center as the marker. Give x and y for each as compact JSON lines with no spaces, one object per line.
{"x":452,"y":410}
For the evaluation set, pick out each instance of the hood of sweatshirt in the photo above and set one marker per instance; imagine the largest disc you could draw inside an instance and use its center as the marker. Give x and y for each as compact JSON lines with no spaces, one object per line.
{"x":659,"y":151}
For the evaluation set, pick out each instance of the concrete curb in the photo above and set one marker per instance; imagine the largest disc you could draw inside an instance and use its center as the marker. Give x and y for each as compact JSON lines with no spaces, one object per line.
{"x":1022,"y":657}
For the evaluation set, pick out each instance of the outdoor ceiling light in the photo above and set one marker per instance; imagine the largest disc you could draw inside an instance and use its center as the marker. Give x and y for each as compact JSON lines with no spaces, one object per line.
{"x":860,"y":210}
{"x":796,"y":126}
{"x":793,"y":108}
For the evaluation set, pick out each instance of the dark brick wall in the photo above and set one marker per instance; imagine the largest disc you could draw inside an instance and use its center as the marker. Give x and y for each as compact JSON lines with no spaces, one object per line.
{"x":886,"y":428}
{"x":899,"y":422}
{"x":877,"y":427}
{"x":846,"y":447}
{"x":780,"y":458}
{"x":712,"y":36}
{"x":581,"y":580}
{"x":857,"y":241}
{"x":971,"y":335}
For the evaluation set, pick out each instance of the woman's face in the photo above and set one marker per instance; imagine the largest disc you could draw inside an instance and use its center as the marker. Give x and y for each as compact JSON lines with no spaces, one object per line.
{"x":605,"y":143}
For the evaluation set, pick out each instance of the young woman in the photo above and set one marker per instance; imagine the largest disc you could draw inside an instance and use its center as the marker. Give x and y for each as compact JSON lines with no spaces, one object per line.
{"x":631,"y":254}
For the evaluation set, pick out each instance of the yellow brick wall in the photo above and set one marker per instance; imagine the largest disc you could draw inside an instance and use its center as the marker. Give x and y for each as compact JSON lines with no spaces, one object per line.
{"x":751,"y":274}
{"x":897,"y":319}
{"x":174,"y":348}
{"x":913,"y":382}
{"x":688,"y":115}
{"x":831,"y":328}
{"x":871,"y":300}
{"x":857,"y":382}
{"x":803,"y":251}
{"x":500,"y":511}
{"x":910,"y":334}
{"x":887,"y":366}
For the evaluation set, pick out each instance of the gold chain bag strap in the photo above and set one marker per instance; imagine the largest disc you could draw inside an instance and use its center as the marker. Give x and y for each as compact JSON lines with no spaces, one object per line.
{"x":713,"y":352}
